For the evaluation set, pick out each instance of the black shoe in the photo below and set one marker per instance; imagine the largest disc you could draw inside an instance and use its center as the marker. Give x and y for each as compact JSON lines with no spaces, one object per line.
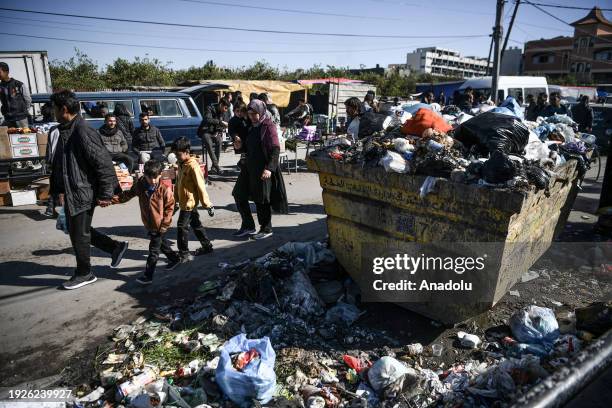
{"x":118,"y":254}
{"x":171,"y":265}
{"x":78,"y":281}
{"x":144,"y":280}
{"x":49,"y":212}
{"x":215,"y":169}
{"x":243,"y":232}
{"x":206,"y":249}
{"x":262,"y":235}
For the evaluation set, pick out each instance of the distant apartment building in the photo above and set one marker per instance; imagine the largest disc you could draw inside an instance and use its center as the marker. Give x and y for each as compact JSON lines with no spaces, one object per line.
{"x":512,"y":63}
{"x":444,"y":62}
{"x":586,"y":55}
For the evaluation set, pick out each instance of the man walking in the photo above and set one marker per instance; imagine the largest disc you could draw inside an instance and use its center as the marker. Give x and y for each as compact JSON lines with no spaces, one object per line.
{"x":83,"y":177}
{"x":15,"y":98}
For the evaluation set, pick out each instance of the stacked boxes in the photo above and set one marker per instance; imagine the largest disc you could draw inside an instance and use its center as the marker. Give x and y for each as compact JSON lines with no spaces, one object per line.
{"x":24,"y":145}
{"x":125,"y":180}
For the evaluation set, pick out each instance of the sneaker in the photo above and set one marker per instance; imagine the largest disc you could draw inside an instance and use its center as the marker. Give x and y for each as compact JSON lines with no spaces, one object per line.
{"x":171,"y":265}
{"x":78,"y":281}
{"x":144,"y":280}
{"x":49,"y":212}
{"x":243,"y":232}
{"x":205,"y":249}
{"x":215,"y":169}
{"x":118,"y":254}
{"x":262,"y":235}
{"x":185,"y":258}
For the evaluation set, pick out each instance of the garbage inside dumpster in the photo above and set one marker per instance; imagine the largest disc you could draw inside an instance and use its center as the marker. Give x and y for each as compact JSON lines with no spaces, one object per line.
{"x":437,"y":145}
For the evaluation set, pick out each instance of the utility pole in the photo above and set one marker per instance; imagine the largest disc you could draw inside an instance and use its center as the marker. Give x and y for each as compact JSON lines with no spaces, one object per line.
{"x":497,"y":36}
{"x":516,"y":6}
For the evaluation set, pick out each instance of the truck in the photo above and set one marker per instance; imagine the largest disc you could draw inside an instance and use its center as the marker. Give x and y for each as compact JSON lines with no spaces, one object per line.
{"x":29,"y":67}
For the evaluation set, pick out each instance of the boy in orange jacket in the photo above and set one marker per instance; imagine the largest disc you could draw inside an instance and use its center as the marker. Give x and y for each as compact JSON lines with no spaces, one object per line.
{"x":189,"y":191}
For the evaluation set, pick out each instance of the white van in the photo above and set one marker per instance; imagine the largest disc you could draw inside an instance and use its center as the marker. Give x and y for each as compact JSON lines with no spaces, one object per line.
{"x":509,"y":86}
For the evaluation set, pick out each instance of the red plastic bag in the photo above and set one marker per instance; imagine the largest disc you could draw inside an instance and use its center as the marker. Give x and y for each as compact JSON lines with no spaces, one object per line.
{"x":425,"y":119}
{"x":353,"y":362}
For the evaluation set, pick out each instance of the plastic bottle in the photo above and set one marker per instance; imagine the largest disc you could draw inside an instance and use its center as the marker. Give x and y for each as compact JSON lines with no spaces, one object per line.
{"x":128,"y":387}
{"x":588,"y":138}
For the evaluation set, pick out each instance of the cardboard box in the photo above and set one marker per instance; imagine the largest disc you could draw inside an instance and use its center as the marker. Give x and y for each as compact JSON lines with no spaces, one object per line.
{"x":42,"y":138}
{"x":42,"y":150}
{"x":30,"y":150}
{"x":23,"y":197}
{"x":5,"y":186}
{"x":5,"y":144}
{"x":42,"y":189}
{"x":168,"y":174}
{"x":5,"y":199}
{"x":23,"y":139}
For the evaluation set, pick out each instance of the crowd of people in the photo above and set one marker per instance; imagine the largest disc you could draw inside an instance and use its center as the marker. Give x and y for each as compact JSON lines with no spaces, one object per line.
{"x":83,"y":177}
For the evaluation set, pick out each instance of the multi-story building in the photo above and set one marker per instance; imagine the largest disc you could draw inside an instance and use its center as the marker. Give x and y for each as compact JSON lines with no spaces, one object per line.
{"x":512,"y":63}
{"x":587,"y":54}
{"x":444,"y":62}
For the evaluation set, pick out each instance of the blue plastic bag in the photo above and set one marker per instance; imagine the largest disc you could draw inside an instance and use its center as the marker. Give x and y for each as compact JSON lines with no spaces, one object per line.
{"x":534,"y":324}
{"x":256,"y":381}
{"x":412,"y":109}
{"x":512,"y":107}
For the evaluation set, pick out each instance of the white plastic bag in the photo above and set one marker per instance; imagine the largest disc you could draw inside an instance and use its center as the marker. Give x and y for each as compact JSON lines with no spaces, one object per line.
{"x":536,"y":149}
{"x":394,"y":162}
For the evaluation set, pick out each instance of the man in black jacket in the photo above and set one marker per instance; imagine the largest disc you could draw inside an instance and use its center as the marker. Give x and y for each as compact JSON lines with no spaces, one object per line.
{"x":213,"y":124}
{"x":583,"y":115}
{"x":148,"y":142}
{"x":115,"y":141}
{"x":15,"y":98}
{"x":82,"y":176}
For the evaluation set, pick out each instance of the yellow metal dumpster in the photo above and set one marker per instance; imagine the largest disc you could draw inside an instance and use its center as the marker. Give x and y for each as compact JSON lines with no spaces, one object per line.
{"x":373,"y":206}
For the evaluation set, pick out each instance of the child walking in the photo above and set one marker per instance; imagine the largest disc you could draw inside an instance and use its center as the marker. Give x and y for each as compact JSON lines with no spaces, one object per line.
{"x":156,"y":210}
{"x":189,"y":191}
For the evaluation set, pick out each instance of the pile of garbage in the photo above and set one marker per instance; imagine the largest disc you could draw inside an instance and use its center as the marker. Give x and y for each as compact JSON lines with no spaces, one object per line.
{"x":284,"y":330}
{"x":495,"y":147}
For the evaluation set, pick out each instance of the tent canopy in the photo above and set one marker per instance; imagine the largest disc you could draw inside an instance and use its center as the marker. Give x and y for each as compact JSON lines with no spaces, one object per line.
{"x":279,"y":91}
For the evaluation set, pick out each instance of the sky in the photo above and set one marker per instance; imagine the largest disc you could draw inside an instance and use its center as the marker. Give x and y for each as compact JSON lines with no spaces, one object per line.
{"x":181,"y":47}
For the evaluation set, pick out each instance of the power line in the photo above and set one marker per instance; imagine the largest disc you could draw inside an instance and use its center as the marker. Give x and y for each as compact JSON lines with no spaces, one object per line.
{"x":565,"y":22}
{"x":9,"y":20}
{"x":566,"y":7}
{"x":242,"y":29}
{"x":283,"y":10}
{"x":203,"y":49}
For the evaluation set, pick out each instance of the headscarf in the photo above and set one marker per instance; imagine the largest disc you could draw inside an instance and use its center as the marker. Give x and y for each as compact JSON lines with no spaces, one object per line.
{"x":261,"y":108}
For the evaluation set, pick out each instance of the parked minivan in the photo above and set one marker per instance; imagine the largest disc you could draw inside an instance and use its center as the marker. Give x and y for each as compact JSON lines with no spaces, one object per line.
{"x":174,"y":113}
{"x":516,"y":86}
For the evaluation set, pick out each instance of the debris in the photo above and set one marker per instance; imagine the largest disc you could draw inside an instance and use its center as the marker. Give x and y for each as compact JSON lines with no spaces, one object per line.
{"x":595,"y":318}
{"x":255,"y":381}
{"x":514,"y":293}
{"x":414,"y":349}
{"x":343,"y":314}
{"x":436,"y":350}
{"x":534,"y":324}
{"x":468,"y":340}
{"x":529,"y":276}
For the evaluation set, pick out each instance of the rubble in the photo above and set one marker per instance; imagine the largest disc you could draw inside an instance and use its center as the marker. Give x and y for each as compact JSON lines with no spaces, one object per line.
{"x":246,"y":338}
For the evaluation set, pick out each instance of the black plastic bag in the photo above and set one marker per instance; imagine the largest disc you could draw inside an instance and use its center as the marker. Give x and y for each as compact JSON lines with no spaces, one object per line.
{"x":538,"y":177}
{"x":500,"y":168}
{"x":370,"y":123}
{"x":493,"y":131}
{"x":436,"y":164}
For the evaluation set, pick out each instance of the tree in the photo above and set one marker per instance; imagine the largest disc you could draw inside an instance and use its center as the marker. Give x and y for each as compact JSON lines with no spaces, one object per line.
{"x":141,"y":72}
{"x":79,"y":73}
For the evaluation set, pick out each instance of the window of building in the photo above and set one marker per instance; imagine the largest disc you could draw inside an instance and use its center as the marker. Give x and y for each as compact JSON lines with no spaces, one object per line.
{"x":543,"y":59}
{"x":580,"y":67}
{"x":573,"y":67}
{"x":584,"y":42}
{"x":587,"y":67}
{"x":97,"y":109}
{"x":605,"y":55}
{"x":160,"y":107}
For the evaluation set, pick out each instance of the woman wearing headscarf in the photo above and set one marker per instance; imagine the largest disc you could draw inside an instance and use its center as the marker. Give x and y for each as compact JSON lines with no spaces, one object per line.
{"x":260,"y":179}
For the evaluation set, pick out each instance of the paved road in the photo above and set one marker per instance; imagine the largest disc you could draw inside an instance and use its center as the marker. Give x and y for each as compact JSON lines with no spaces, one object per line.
{"x":43,"y":326}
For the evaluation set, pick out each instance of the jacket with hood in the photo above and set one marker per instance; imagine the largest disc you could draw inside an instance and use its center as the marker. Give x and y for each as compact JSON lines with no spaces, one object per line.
{"x":156,"y":207}
{"x":85,"y":169}
{"x":211,"y":122}
{"x":124,"y":122}
{"x":113,"y":139}
{"x":190,"y":188}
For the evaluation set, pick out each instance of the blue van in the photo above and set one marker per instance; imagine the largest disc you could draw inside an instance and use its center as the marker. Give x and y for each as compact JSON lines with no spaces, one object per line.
{"x":174,"y":113}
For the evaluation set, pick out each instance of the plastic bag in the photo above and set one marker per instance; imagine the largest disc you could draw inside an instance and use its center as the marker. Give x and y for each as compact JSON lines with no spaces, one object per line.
{"x":513,"y":107}
{"x":300,"y":297}
{"x":386,"y":372}
{"x":492,"y":131}
{"x":310,"y":252}
{"x":370,"y":123}
{"x":61,"y":223}
{"x":394,"y":162}
{"x":308,"y":134}
{"x":343,"y":314}
{"x":499,"y":168}
{"x":412,"y":109}
{"x":536,"y":149}
{"x":256,"y":381}
{"x":425,"y":119}
{"x":556,"y":118}
{"x":427,"y":187}
{"x":535,"y":324}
